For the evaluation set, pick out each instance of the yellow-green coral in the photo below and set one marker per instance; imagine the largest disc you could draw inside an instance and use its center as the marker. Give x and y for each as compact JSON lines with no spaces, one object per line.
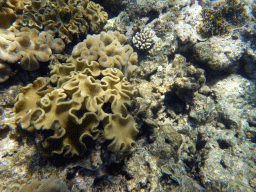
{"x":109,"y":49}
{"x":28,"y":47}
{"x":65,"y":17}
{"x":72,"y":105}
{"x":10,"y":10}
{"x":5,"y":72}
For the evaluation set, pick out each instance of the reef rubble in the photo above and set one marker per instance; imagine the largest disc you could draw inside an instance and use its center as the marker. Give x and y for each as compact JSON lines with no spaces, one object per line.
{"x":141,"y":95}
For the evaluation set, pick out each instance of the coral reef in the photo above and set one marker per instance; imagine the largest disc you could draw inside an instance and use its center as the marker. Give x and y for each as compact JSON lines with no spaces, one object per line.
{"x":222,"y":19}
{"x":28,"y":48}
{"x":109,"y":50}
{"x":213,"y":24}
{"x":144,"y":39}
{"x":220,"y":54}
{"x":249,"y":57}
{"x":190,"y":105}
{"x":189,"y":79}
{"x":45,"y":185}
{"x":10,"y":10}
{"x":67,"y":108}
{"x":185,"y":33}
{"x":5,"y":72}
{"x":254,"y":10}
{"x":66,"y":18}
{"x":235,"y":12}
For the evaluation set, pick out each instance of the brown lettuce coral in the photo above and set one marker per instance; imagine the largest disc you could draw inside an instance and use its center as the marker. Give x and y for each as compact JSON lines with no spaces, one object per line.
{"x":28,"y":47}
{"x":10,"y":10}
{"x":65,"y":17}
{"x":109,"y":50}
{"x":73,"y":104}
{"x":5,"y":72}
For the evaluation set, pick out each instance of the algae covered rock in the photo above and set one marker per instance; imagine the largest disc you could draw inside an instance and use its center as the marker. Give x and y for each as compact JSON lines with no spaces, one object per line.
{"x":68,"y":109}
{"x":66,"y":18}
{"x":212,"y":24}
{"x":188,"y":79}
{"x":221,"y":19}
{"x":220,"y":54}
{"x":51,"y":184}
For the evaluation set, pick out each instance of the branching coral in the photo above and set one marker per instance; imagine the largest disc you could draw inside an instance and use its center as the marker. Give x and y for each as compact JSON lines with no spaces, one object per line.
{"x":144,"y":39}
{"x":65,"y":17}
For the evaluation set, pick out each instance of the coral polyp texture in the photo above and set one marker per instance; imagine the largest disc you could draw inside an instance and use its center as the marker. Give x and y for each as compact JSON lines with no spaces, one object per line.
{"x":67,"y":18}
{"x":109,"y":50}
{"x":27,"y":47}
{"x":68,"y":109}
{"x":144,"y":39}
{"x":10,"y":10}
{"x":5,"y":72}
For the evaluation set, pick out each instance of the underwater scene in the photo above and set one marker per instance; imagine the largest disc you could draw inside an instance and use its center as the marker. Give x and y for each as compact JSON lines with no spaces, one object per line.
{"x":127,"y":95}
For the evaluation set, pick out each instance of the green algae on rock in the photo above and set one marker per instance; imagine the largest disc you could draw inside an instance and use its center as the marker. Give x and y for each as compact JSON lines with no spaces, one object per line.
{"x":213,"y":24}
{"x":235,"y":12}
{"x":222,"y":19}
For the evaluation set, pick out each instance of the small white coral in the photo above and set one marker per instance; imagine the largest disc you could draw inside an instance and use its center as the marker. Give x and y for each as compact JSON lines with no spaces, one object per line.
{"x":144,"y":39}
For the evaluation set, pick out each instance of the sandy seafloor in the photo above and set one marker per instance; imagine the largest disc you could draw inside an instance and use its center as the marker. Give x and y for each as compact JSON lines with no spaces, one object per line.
{"x":195,"y":110}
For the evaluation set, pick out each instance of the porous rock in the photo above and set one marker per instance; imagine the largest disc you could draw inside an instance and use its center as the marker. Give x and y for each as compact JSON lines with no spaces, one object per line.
{"x":220,"y":54}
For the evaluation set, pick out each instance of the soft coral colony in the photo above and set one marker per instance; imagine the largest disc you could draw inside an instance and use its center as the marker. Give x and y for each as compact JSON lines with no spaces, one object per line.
{"x":88,"y":92}
{"x":87,"y":98}
{"x":21,"y":40}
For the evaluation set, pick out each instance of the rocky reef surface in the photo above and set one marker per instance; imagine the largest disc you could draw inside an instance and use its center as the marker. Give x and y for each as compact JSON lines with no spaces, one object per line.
{"x":159,"y":97}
